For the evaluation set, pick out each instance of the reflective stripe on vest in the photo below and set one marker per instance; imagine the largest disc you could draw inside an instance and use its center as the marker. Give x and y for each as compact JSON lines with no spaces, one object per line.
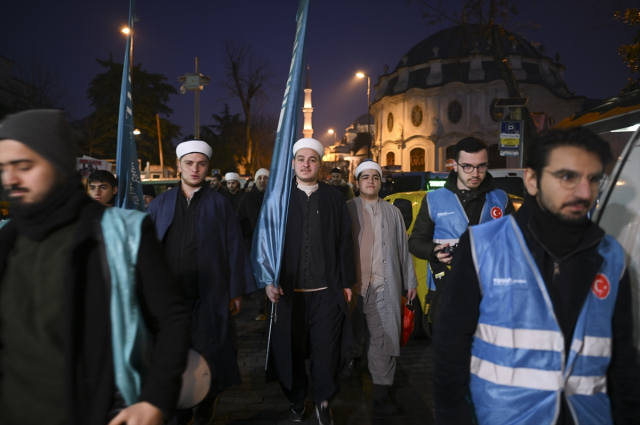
{"x":122,"y":230}
{"x":449,"y":217}
{"x":518,"y":356}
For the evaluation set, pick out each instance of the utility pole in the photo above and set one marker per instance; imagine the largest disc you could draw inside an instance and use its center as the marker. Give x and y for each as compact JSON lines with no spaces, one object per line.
{"x":194,"y":82}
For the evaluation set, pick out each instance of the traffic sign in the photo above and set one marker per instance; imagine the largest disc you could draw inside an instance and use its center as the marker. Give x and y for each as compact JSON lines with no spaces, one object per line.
{"x":510,"y":136}
{"x":449,"y":164}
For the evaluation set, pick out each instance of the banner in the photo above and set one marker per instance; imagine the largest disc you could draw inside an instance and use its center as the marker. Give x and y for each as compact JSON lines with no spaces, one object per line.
{"x":87,"y":165}
{"x":129,"y":195}
{"x":268,"y":238}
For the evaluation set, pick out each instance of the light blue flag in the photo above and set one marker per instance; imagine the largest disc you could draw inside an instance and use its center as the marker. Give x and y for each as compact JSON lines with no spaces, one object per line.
{"x":129,"y":195}
{"x":268,"y":238}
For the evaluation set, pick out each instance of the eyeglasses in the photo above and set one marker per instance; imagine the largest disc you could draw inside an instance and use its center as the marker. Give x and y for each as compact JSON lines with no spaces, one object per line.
{"x":571,"y":179}
{"x":468,"y":168}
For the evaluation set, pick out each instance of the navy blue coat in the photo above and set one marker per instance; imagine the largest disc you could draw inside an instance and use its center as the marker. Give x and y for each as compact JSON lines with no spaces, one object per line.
{"x":224,"y":273}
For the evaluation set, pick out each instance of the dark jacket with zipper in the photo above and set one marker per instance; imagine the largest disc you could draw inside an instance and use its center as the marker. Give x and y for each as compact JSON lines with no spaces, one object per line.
{"x":568,"y":281}
{"x":421,"y":241}
{"x":90,"y":392}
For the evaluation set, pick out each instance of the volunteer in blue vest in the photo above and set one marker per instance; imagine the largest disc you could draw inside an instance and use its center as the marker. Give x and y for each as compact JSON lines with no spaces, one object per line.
{"x":469,"y":197}
{"x":70,"y":270}
{"x":536,"y":322}
{"x":206,"y":251}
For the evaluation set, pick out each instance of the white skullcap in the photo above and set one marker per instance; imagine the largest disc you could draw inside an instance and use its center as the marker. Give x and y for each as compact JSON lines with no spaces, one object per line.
{"x":309,"y":143}
{"x":368,"y":165}
{"x":232,"y":176}
{"x":193,"y":146}
{"x":262,"y":172}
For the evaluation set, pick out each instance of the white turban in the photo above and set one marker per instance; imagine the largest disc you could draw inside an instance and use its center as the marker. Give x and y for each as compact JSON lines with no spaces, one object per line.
{"x":309,"y":143}
{"x":194,"y":146}
{"x":262,"y":172}
{"x":232,"y":176}
{"x":368,"y":165}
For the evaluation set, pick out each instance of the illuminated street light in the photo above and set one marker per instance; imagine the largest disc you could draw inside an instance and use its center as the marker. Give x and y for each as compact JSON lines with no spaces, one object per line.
{"x":136,"y":132}
{"x":125,"y":30}
{"x":362,"y":75}
{"x":335,"y":136}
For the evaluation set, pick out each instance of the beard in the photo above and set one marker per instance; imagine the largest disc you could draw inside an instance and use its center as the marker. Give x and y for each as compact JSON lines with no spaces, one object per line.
{"x":568,"y":218}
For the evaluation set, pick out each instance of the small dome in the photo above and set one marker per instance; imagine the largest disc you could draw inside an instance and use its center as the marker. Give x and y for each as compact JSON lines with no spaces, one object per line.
{"x":364,"y":120}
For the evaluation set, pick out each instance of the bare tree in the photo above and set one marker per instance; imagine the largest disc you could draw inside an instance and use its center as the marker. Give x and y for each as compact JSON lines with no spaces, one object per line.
{"x":45,"y":89}
{"x":248,"y":79}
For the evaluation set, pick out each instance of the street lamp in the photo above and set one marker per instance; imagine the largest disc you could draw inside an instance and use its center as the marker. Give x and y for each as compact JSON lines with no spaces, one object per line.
{"x":194,"y":82}
{"x":362,"y":75}
{"x":125,"y":30}
{"x":136,"y":132}
{"x":335,"y":136}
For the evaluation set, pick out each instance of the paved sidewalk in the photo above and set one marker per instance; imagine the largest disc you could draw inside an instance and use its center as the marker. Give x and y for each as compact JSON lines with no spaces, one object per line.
{"x":255,"y":402}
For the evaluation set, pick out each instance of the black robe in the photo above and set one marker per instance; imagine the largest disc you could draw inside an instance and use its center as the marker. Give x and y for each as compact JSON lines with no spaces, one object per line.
{"x":224,"y":273}
{"x":340,"y":273}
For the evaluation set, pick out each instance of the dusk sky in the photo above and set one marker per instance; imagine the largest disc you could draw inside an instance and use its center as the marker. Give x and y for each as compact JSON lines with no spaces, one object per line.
{"x":343,"y":37}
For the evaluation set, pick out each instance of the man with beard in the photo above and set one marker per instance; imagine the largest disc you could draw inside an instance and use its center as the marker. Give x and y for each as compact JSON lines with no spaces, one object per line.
{"x":235,"y":193}
{"x":317,"y":274}
{"x":83,"y":288}
{"x":204,"y":246}
{"x":338,"y":183}
{"x":536,"y":323}
{"x":248,"y":213}
{"x":468,"y":197}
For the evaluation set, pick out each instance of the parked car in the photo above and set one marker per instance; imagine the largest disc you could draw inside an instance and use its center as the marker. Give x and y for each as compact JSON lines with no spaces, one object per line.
{"x":409,"y":204}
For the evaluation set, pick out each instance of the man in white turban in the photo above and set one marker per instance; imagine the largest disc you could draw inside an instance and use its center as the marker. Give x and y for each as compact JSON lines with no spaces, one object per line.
{"x":236,"y":193}
{"x":384,"y":269}
{"x":206,"y":252}
{"x":317,"y":274}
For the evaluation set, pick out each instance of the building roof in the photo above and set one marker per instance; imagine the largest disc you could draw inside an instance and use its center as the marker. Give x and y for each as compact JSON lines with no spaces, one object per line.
{"x":455,"y":47}
{"x":363,"y":120}
{"x":461,"y":41}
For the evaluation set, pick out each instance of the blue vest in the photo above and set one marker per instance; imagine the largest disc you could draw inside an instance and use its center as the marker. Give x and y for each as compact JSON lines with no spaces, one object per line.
{"x":451,"y":220}
{"x":122,"y":230}
{"x":518,"y":364}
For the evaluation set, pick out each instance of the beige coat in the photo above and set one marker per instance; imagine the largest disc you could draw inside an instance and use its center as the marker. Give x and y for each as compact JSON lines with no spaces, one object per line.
{"x":399,"y":273}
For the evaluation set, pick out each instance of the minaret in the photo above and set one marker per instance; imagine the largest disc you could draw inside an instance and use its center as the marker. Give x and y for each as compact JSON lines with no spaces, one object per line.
{"x":307,"y":109}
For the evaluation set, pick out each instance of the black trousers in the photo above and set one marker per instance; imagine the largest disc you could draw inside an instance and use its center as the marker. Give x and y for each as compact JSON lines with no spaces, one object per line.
{"x":316,"y":331}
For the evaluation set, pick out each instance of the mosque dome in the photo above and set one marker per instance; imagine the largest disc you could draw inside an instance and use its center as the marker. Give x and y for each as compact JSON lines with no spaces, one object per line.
{"x":463,"y":54}
{"x":365,"y":119}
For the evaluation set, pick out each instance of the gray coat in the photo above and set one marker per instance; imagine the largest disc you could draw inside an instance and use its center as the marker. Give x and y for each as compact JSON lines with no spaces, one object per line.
{"x":399,"y":273}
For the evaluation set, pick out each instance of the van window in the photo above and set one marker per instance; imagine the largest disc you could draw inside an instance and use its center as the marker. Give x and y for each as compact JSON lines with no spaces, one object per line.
{"x":406,"y":209}
{"x":511,"y":185}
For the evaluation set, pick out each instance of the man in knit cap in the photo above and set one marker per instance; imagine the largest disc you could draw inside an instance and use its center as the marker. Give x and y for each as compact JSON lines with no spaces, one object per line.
{"x":62,"y":277}
{"x":206,"y":251}
{"x":317,"y":274}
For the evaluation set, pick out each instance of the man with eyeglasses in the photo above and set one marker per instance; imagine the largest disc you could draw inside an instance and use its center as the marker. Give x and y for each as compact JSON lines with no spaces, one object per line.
{"x":536,"y":323}
{"x":469,"y":197}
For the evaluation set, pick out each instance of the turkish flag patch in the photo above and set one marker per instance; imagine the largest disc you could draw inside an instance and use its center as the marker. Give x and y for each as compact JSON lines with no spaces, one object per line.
{"x":496,"y":213}
{"x":601,"y":286}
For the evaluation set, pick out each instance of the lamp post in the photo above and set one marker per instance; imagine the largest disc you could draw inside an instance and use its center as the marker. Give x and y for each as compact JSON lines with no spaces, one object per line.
{"x":335,"y":135}
{"x":362,"y":75}
{"x":194,"y":82}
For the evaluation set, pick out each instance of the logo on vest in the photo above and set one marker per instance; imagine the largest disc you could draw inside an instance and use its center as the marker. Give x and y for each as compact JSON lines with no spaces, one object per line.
{"x":601,"y":286}
{"x":442,"y":214}
{"x":507,"y":281}
{"x":496,"y":213}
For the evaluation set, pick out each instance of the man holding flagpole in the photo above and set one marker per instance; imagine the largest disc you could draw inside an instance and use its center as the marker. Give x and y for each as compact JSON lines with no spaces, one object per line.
{"x":206,"y":251}
{"x":318,"y":270}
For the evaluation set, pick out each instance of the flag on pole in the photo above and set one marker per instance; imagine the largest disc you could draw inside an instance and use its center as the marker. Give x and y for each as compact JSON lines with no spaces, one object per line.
{"x":129,"y":195}
{"x":268,"y":238}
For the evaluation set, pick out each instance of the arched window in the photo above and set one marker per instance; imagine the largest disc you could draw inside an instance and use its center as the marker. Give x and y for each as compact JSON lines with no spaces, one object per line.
{"x":391,"y":158}
{"x":417,"y":159}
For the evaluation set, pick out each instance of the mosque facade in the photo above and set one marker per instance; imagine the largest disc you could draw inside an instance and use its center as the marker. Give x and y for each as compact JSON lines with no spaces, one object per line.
{"x":444,"y":89}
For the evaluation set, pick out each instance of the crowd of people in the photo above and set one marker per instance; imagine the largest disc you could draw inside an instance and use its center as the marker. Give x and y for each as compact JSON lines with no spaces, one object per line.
{"x":99,"y":306}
